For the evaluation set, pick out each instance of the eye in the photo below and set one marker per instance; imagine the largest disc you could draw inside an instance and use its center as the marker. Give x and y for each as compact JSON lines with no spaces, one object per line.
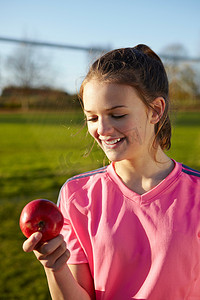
{"x":119,"y":116}
{"x":91,"y":119}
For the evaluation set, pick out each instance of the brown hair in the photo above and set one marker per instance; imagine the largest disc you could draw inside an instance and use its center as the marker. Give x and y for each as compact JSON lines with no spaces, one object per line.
{"x":142,"y":69}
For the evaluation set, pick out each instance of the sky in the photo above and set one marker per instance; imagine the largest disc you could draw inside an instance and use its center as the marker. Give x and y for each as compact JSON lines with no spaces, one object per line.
{"x":106,"y":23}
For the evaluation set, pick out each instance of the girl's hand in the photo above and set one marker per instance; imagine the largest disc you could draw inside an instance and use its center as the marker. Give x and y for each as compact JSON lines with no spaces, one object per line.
{"x":52,"y":254}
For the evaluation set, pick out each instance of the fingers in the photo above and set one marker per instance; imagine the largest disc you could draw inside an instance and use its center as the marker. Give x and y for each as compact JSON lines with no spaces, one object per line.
{"x":53,"y":254}
{"x":31,"y":243}
{"x":53,"y":260}
{"x":61,"y":261}
{"x":50,"y":246}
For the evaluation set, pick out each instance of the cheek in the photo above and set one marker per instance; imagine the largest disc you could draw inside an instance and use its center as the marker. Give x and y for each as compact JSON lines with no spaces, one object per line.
{"x":92,"y":131}
{"x":133,"y":132}
{"x":134,"y":135}
{"x":127,"y":128}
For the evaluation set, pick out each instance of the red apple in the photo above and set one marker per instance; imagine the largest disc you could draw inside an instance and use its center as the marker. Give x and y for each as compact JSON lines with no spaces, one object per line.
{"x":41,"y":215}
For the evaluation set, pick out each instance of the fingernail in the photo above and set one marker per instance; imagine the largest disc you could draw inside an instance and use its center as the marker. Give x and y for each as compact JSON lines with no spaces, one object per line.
{"x":38,"y":236}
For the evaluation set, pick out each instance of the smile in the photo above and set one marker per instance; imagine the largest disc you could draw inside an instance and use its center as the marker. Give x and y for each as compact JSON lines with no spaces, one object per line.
{"x":112,"y":142}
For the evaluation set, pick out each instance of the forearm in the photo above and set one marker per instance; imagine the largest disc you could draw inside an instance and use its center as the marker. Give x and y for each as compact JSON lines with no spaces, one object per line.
{"x":63,"y":283}
{"x":63,"y":286}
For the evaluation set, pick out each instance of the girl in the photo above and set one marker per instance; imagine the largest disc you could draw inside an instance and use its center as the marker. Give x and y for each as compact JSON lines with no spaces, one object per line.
{"x":132,"y":229}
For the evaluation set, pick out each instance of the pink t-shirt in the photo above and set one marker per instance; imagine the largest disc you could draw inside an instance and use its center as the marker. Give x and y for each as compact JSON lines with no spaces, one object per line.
{"x":137,"y":246}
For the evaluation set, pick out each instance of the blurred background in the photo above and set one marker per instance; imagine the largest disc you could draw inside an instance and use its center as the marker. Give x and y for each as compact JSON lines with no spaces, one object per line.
{"x":46,"y":48}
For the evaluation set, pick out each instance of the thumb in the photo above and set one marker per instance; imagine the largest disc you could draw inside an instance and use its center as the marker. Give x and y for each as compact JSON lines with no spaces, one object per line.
{"x":30,"y":244}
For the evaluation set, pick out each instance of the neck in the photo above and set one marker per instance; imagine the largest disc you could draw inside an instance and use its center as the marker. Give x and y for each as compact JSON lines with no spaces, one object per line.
{"x":143,"y":174}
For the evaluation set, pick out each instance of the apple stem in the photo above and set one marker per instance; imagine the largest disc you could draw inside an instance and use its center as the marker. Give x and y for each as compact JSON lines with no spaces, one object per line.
{"x":41,"y":225}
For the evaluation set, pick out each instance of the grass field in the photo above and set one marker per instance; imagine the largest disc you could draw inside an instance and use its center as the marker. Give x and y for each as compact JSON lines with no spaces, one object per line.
{"x":38,"y":152}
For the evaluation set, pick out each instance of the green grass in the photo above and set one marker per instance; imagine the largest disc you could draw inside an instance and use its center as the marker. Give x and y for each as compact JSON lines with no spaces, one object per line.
{"x":186,"y":139}
{"x":38,"y":152}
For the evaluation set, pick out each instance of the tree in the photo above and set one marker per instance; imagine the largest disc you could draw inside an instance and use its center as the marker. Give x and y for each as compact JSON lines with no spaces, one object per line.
{"x":181,"y":73}
{"x":28,"y":68}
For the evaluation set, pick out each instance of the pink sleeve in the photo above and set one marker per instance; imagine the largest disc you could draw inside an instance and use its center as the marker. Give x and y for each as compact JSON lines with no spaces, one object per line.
{"x":77,"y":254}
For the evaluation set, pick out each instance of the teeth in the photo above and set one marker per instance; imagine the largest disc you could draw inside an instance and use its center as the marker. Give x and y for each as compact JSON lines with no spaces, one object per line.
{"x":112,"y":142}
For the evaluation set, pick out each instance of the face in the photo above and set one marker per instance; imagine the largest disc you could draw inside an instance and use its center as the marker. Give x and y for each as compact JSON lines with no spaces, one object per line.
{"x":118,"y":120}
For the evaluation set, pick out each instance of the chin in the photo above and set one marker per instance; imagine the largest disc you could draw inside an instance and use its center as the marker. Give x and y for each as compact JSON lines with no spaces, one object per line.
{"x":114,"y":158}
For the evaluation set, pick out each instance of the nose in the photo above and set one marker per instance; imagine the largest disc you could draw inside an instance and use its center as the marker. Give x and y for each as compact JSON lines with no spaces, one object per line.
{"x":104,"y":127}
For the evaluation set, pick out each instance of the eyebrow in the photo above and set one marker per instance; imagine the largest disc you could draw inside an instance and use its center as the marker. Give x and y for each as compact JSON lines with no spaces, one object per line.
{"x":114,"y":107}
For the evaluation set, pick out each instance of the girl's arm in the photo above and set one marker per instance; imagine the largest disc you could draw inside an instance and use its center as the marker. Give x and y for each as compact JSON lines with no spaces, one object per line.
{"x":62,"y":284}
{"x":71,"y":283}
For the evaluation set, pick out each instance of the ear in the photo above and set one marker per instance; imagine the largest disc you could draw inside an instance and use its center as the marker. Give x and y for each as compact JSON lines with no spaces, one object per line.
{"x":158,"y":107}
